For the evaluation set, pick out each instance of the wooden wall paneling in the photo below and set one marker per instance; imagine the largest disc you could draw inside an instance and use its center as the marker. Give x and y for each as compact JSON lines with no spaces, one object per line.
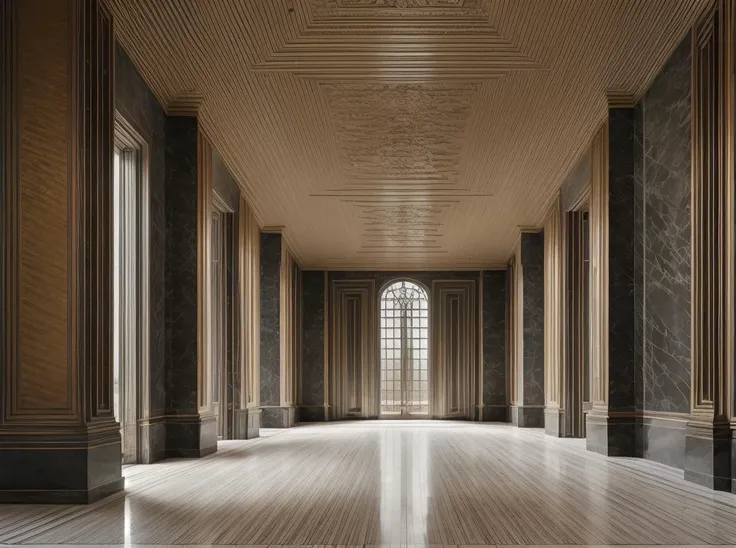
{"x":250,"y":257}
{"x":58,"y":119}
{"x":516,"y":328}
{"x":599,"y":270}
{"x":554,"y":374}
{"x":40,"y":163}
{"x":204,"y":274}
{"x":353,"y":338}
{"x":710,"y":431}
{"x":454,"y":366}
{"x":712,"y":210}
{"x":289,"y":323}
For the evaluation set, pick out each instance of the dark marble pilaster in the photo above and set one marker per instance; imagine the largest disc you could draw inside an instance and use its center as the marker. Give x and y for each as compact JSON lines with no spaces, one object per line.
{"x":312,"y":371}
{"x":667,"y":253}
{"x":270,"y":322}
{"x":617,"y":432}
{"x":495,"y":406}
{"x":187,"y":434}
{"x":138,"y":105}
{"x":530,"y":413}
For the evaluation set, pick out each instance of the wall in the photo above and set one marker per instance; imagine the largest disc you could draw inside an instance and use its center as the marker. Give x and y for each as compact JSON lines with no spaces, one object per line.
{"x":136,"y":103}
{"x":666,"y":255}
{"x":493,"y":342}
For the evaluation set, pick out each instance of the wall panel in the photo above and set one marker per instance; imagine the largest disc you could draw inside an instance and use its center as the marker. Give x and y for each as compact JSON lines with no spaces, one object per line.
{"x":353,"y":367}
{"x":454,"y":369}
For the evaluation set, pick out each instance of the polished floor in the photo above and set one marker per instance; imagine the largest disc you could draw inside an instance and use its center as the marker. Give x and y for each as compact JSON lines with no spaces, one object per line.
{"x":391,"y":483}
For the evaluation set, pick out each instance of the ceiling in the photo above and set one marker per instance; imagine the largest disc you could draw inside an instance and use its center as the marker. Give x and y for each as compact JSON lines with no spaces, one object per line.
{"x":391,"y":134}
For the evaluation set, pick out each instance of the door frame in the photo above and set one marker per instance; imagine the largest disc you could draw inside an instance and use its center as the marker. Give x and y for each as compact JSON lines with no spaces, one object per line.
{"x":135,"y":404}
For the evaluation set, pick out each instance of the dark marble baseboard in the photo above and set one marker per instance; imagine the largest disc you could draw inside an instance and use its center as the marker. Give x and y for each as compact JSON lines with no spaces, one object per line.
{"x":247,"y":424}
{"x":312,"y":413}
{"x":554,"y":422}
{"x":708,"y":456}
{"x":527,"y":417}
{"x":614,"y":436}
{"x":663,"y":440}
{"x":495,"y":413}
{"x":60,"y":468}
{"x":278,"y":417}
{"x":151,"y":442}
{"x":190,"y":436}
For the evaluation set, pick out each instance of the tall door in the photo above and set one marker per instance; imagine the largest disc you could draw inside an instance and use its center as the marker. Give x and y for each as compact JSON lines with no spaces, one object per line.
{"x":454,"y":349}
{"x":219,"y":323}
{"x":404,"y":358}
{"x":352,"y":379}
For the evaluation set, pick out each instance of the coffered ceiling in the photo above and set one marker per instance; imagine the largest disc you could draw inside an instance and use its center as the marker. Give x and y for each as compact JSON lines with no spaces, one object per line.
{"x":400,"y":133}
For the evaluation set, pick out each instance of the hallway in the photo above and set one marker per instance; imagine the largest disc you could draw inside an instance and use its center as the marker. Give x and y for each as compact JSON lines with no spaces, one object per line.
{"x":391,"y":483}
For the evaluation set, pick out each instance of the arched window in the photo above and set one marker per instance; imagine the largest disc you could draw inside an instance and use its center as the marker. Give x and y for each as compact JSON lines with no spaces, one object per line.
{"x":404,"y":350}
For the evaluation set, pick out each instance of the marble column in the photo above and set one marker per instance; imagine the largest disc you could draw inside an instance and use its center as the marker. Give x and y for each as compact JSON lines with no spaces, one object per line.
{"x":495,"y":399}
{"x":59,"y":441}
{"x":276,"y":412}
{"x":529,"y":411}
{"x":312,"y":405}
{"x":191,"y":428}
{"x":614,"y":424}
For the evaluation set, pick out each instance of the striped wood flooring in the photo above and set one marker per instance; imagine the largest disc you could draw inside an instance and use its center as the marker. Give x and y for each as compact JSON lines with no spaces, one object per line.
{"x":391,"y":483}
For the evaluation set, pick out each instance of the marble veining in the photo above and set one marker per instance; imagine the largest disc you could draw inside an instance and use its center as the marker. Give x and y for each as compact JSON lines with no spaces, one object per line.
{"x":667,"y":253}
{"x":270,"y":318}
{"x":532,"y":265}
{"x":392,"y":483}
{"x":313,"y":338}
{"x":494,"y":337}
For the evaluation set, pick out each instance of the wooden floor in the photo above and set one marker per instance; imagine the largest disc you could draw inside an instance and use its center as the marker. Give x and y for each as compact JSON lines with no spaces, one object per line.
{"x":392,"y":483}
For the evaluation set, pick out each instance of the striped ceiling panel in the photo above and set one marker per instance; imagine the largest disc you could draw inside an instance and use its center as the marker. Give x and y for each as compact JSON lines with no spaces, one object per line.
{"x":400,"y":133}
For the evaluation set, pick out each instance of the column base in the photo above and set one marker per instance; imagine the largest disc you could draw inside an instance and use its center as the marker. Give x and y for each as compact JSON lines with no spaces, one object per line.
{"x":554,"y":422}
{"x":152,"y":441}
{"x":312,"y":413}
{"x":495,"y":413}
{"x":708,"y":449}
{"x":60,"y":466}
{"x":247,"y":424}
{"x":613,"y":436}
{"x":190,"y":436}
{"x":527,"y":416}
{"x":278,"y":417}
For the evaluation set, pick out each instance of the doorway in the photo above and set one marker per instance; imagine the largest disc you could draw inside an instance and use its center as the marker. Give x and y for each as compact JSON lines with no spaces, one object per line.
{"x":223,"y":280}
{"x":130,"y":282}
{"x":404,"y":336}
{"x":578,"y":318}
